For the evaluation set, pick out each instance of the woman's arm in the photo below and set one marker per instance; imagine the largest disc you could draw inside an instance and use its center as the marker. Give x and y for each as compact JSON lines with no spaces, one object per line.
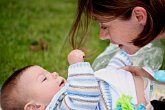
{"x":139,"y":71}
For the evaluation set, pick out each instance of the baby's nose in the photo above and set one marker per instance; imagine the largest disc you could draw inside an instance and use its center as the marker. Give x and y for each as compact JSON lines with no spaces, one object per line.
{"x":55,"y":75}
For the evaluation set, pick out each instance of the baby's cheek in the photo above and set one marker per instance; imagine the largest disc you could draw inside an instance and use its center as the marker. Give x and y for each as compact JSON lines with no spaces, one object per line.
{"x":50,"y":94}
{"x":55,"y":89}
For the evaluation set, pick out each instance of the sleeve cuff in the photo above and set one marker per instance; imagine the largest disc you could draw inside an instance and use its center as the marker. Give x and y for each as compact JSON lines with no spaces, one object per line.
{"x":81,"y":67}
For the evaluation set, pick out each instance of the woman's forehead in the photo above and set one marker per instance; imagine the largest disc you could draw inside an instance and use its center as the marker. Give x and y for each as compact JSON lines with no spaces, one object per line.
{"x":102,"y":18}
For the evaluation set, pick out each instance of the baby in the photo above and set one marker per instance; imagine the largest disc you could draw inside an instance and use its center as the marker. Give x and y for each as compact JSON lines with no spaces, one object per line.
{"x":34,"y":88}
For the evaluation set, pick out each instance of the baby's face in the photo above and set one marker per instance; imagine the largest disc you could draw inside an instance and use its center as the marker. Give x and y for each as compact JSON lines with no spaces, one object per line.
{"x":40,"y":84}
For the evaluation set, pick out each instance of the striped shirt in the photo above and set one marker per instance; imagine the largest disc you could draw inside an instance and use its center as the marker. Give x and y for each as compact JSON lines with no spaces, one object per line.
{"x":83,"y":91}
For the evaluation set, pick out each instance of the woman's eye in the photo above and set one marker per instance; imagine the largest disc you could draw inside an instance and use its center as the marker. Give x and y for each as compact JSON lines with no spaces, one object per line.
{"x":104,"y":27}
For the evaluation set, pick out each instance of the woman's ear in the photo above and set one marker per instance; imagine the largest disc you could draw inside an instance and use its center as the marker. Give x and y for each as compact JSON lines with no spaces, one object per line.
{"x":140,"y":14}
{"x":33,"y":106}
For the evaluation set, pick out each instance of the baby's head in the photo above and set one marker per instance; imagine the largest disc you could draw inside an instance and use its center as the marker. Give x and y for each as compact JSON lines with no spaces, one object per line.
{"x":29,"y":88}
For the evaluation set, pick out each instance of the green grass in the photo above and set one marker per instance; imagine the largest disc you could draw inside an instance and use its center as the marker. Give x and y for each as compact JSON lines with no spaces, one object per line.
{"x":163,"y":65}
{"x":27,"y":22}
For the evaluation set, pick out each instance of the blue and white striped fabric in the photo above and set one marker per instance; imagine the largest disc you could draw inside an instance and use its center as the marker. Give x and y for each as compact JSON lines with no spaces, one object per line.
{"x":121,"y":59}
{"x":105,"y":102}
{"x":57,"y":98}
{"x":82,"y":92}
{"x":119,"y":81}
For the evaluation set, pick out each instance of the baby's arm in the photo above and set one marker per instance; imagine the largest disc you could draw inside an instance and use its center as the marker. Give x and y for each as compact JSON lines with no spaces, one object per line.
{"x":83,"y":91}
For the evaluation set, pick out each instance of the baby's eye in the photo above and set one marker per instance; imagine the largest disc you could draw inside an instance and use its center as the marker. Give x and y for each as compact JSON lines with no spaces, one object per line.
{"x":44,"y":79}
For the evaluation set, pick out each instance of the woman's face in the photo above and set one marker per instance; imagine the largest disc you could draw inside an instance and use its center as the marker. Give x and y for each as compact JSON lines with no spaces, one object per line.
{"x":121,"y":32}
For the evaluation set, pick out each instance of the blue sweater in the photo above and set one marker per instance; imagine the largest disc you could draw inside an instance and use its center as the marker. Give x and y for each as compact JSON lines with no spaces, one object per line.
{"x":83,"y":91}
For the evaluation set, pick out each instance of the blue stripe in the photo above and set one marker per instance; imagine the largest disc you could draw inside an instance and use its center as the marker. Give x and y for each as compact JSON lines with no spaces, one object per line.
{"x":80,"y":105}
{"x":83,"y":94}
{"x":116,"y":62}
{"x":82,"y":79}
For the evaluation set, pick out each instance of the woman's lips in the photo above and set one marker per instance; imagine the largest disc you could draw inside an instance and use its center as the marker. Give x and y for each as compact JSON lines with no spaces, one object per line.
{"x":120,"y":46}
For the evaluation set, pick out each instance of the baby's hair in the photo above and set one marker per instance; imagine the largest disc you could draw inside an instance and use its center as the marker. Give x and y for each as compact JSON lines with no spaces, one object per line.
{"x":10,"y":93}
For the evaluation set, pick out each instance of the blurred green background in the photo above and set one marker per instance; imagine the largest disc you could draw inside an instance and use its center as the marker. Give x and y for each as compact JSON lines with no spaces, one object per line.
{"x":35,"y":31}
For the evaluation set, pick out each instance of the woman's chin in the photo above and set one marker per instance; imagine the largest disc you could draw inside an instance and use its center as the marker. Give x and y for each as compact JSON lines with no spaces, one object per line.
{"x":129,"y":50}
{"x":103,"y":38}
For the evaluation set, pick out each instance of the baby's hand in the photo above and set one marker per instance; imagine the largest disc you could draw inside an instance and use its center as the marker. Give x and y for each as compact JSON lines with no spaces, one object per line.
{"x":76,"y":56}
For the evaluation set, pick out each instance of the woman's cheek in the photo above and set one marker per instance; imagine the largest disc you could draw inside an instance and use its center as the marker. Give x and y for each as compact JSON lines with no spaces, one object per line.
{"x":104,"y":34}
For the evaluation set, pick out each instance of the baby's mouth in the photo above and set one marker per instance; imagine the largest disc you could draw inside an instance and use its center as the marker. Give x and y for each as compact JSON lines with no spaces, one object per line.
{"x":62,"y":83}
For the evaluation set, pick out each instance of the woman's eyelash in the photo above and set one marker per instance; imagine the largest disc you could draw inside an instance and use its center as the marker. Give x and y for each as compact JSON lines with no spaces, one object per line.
{"x":104,"y":27}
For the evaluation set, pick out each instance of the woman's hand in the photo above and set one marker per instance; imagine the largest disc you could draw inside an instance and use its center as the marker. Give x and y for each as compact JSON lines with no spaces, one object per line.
{"x":76,"y":56}
{"x":138,"y":71}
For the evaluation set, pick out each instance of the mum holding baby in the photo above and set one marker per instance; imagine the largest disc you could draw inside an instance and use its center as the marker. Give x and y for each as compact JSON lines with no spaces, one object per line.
{"x":132,"y":25}
{"x":129,"y":24}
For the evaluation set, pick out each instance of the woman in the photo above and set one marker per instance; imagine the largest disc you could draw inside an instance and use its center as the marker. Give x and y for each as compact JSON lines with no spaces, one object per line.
{"x":130,"y":24}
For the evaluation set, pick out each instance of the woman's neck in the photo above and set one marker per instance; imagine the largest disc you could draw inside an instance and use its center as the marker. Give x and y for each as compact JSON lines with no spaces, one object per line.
{"x":161,"y":36}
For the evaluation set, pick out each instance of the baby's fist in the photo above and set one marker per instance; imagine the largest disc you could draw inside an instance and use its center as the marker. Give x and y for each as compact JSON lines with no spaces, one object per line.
{"x":76,"y":56}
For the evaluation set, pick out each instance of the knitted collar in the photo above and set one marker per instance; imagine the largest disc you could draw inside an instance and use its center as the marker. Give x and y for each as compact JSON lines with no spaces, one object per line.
{"x":57,"y":98}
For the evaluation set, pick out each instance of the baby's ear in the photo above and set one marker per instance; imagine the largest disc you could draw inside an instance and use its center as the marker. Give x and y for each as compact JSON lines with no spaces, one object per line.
{"x":29,"y":106}
{"x":34,"y":106}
